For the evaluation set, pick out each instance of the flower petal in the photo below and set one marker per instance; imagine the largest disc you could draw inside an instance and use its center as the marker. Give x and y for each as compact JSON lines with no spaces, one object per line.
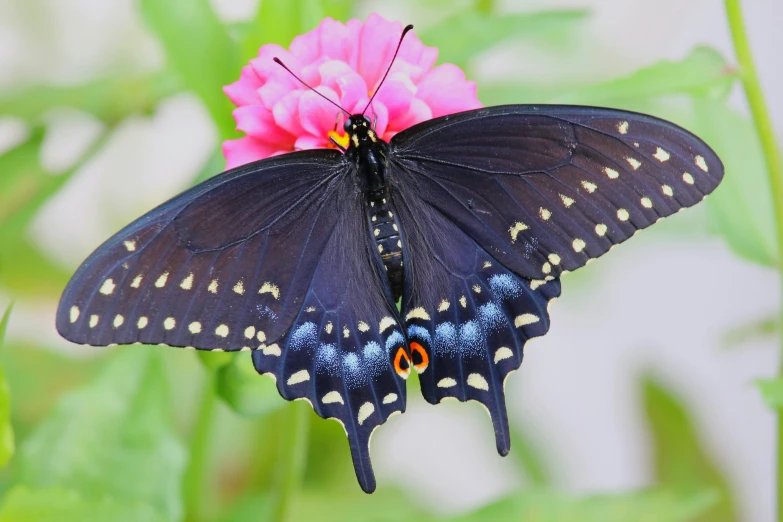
{"x":246,"y":150}
{"x":446,"y":91}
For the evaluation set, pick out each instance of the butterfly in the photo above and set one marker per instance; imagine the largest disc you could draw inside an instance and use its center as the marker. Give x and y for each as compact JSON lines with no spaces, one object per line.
{"x":467,"y":221}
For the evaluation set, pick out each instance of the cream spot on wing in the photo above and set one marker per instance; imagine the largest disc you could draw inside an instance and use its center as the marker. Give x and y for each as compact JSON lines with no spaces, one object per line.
{"x":546,"y":267}
{"x":391,"y":215}
{"x":169,"y":323}
{"x":222,"y":330}
{"x":130,"y":245}
{"x":623,"y":215}
{"x":600,"y":229}
{"x":535,"y":283}
{"x":478,"y":381}
{"x":390,"y":398}
{"x":385,"y":323}
{"x":332,"y":397}
{"x":239,"y":288}
{"x":544,"y":213}
{"x":269,"y":288}
{"x":477,"y":289}
{"x":136,"y":281}
{"x":399,"y":244}
{"x":377,"y":232}
{"x":250,"y":332}
{"x":661,"y":155}
{"x":578,"y":245}
{"x":701,"y":163}
{"x":395,"y":227}
{"x":346,"y":332}
{"x":74,"y":313}
{"x":446,"y":382}
{"x":375,"y":218}
{"x":516,"y":229}
{"x":94,"y":320}
{"x":365,"y":410}
{"x":107,"y":287}
{"x":667,"y":190}
{"x":272,"y":349}
{"x":463,"y":302}
{"x":194,"y":327}
{"x":589,"y":187}
{"x":380,"y":249}
{"x":633,"y":162}
{"x":444,"y":305}
{"x":118,"y":320}
{"x":187,"y":283}
{"x":417,"y":313}
{"x":161,"y":282}
{"x":503,"y":353}
{"x":525,"y":319}
{"x":261,"y":336}
{"x":566,"y":200}
{"x":328,"y":328}
{"x":687,"y":178}
{"x":142,"y":323}
{"x":613,"y":174}
{"x":487,"y":264}
{"x":646,"y":202}
{"x":363,"y":327}
{"x":310,"y":309}
{"x":622,"y":127}
{"x":300,"y":376}
{"x":213,"y":286}
{"x":554,"y":259}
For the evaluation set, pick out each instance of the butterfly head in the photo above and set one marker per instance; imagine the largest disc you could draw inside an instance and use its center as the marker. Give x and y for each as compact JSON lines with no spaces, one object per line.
{"x":359,"y":128}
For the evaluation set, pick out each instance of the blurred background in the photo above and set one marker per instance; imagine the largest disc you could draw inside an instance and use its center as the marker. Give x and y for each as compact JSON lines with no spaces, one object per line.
{"x":643,"y":403}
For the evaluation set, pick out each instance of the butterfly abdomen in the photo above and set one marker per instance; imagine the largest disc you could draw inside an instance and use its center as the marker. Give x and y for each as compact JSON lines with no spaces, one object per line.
{"x":387,"y":236}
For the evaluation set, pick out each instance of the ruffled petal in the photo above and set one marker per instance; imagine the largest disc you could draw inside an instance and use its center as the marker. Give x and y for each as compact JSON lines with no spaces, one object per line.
{"x":446,"y":91}
{"x":246,"y":150}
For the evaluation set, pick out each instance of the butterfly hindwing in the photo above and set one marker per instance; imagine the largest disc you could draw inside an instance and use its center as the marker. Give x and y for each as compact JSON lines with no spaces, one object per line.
{"x":342,"y":352}
{"x":547,"y":188}
{"x":469,"y":315}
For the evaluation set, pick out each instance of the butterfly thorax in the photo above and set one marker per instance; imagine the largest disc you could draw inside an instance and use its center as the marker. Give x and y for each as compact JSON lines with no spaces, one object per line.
{"x":368,"y":154}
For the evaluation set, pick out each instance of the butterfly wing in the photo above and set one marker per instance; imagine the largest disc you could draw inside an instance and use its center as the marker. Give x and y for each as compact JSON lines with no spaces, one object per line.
{"x":544,"y":189}
{"x":264,"y":258}
{"x":496,"y":203}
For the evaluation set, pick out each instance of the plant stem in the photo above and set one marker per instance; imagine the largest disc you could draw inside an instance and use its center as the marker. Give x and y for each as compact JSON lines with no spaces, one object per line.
{"x":769,"y":146}
{"x":201,"y":438}
{"x":293,"y":457}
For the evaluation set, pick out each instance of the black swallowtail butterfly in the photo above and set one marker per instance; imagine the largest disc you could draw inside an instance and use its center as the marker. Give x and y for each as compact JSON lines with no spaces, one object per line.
{"x":470,"y":219}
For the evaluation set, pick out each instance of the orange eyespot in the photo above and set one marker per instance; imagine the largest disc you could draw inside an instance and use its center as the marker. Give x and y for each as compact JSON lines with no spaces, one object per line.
{"x":402,"y":364}
{"x":420,"y":358}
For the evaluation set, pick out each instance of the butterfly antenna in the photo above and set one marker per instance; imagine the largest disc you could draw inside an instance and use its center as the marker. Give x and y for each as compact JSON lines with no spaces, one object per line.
{"x":281,"y":64}
{"x":399,"y":44}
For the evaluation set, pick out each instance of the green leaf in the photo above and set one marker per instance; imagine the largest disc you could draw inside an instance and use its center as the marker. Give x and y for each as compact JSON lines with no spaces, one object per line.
{"x":200,"y":50}
{"x":245,"y":391}
{"x":659,"y":505}
{"x":772,"y":392}
{"x":112,"y":439}
{"x":679,"y":456}
{"x":63,"y":505}
{"x":7,"y":445}
{"x":109,"y":99}
{"x":757,"y":329}
{"x":528,"y":457}
{"x":740,"y":209}
{"x":462,"y":36}
{"x":704,"y":73}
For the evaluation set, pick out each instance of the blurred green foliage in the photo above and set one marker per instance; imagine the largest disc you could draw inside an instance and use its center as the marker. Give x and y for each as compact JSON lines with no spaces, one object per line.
{"x":111,"y":441}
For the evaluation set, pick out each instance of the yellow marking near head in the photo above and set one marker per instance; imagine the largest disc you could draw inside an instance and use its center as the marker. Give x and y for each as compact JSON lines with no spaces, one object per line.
{"x":74,"y":314}
{"x":130,"y":245}
{"x":107,"y":287}
{"x":161,"y":282}
{"x":355,"y":140}
{"x":187,"y":283}
{"x":194,"y":327}
{"x":142,"y":322}
{"x":169,"y":323}
{"x":269,"y":288}
{"x":613,"y":174}
{"x":516,"y":229}
{"x":476,"y":380}
{"x":701,"y":163}
{"x":525,"y":319}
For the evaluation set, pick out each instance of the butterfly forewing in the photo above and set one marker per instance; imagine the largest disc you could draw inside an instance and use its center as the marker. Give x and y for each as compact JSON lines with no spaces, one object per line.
{"x":545,"y":189}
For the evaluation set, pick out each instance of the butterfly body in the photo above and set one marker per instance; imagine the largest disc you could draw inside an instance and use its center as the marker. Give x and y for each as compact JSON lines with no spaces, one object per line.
{"x":468,"y":220}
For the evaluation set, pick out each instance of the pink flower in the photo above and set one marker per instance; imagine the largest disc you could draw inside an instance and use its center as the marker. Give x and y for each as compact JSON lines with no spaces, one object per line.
{"x":345,"y":62}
